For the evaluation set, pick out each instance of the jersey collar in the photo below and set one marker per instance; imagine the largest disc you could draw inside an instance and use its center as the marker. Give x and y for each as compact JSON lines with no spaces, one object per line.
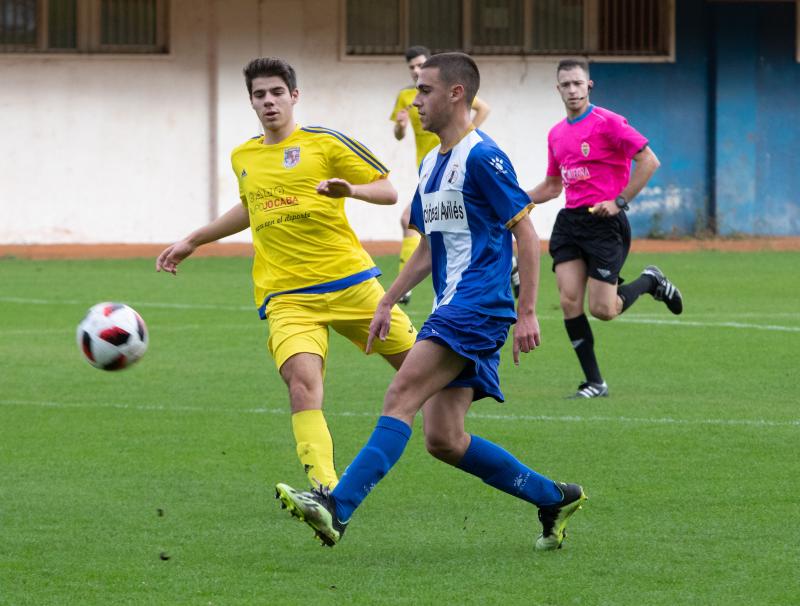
{"x":460,"y":139}
{"x":582,"y":116}
{"x":263,"y":140}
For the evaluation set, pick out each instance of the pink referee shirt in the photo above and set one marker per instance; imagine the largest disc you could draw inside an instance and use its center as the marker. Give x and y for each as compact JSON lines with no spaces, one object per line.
{"x":592,"y":153}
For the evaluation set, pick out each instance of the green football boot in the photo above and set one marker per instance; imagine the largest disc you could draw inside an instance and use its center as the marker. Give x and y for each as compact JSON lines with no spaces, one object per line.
{"x":554,"y":517}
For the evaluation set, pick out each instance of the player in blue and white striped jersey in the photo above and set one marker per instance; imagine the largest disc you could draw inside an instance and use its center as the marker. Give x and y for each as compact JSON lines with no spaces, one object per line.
{"x":468,"y":205}
{"x":467,"y":201}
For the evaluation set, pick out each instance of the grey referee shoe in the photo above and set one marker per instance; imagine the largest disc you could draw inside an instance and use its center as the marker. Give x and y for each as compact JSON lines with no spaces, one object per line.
{"x":666,"y":291}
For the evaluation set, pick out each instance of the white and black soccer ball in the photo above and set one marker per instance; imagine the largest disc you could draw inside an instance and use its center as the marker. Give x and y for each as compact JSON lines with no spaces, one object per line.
{"x":112,"y":336}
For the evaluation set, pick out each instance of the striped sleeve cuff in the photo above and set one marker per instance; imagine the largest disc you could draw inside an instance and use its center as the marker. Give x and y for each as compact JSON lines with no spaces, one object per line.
{"x":516,"y":218}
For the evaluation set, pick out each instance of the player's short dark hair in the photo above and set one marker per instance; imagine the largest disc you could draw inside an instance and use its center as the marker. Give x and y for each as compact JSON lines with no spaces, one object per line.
{"x":457,"y":68}
{"x":264,"y":67}
{"x":412,"y":52}
{"x":567,"y":64}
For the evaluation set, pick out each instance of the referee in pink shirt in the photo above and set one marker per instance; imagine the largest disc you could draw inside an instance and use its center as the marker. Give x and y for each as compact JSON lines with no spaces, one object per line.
{"x":589,"y":156}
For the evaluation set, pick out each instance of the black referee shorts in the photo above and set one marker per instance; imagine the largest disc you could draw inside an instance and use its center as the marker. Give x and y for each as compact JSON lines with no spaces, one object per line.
{"x":603,"y":243}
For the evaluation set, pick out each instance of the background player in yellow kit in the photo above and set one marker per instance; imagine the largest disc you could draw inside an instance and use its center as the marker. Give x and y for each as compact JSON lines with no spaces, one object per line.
{"x":310,"y":272}
{"x":405,"y":113}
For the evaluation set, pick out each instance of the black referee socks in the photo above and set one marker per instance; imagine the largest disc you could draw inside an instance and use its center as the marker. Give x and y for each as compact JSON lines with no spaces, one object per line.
{"x":633,"y":290}
{"x":580,"y":333}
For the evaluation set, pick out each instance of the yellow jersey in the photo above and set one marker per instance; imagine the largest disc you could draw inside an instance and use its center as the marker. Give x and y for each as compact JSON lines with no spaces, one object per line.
{"x":425,"y":139}
{"x":302,"y":239}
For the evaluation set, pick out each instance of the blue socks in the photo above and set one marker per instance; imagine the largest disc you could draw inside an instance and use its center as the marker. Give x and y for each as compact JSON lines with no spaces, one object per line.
{"x":492,"y":464}
{"x":374,"y":460}
{"x":499,"y":468}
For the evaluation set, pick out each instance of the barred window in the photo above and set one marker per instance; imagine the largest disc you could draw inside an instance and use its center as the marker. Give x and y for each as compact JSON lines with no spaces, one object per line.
{"x":18,"y":25}
{"x":373,"y":28}
{"x":611,"y":28}
{"x":439,"y":20}
{"x":557,"y":26}
{"x":630,"y":28}
{"x":83,"y":26}
{"x":498,"y":26}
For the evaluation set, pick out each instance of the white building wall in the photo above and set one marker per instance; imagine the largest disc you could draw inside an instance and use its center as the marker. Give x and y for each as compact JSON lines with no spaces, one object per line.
{"x":106,"y":148}
{"x":118,"y":149}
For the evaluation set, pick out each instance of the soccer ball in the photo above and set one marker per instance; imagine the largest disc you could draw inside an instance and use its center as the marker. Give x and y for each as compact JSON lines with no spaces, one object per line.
{"x":112,"y":336}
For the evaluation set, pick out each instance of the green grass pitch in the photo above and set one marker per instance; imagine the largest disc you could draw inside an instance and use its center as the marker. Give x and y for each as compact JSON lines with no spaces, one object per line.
{"x":154,"y":485}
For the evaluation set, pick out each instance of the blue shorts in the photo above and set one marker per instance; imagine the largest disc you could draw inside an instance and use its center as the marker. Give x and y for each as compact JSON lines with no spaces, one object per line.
{"x":475,"y":337}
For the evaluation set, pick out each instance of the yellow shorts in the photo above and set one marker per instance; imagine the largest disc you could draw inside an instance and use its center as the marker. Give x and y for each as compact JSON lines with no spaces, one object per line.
{"x":299,"y":323}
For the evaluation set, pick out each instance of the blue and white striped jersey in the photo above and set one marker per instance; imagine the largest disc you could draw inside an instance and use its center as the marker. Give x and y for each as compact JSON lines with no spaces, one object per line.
{"x":465,"y":204}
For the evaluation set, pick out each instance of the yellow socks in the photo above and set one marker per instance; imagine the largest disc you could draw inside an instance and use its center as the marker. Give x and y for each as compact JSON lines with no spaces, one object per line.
{"x":315,"y":447}
{"x":410,"y":244}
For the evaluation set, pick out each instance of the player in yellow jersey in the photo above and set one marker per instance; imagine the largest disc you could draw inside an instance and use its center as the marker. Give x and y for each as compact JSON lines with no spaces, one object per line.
{"x":310,"y":272}
{"x":403,"y":114}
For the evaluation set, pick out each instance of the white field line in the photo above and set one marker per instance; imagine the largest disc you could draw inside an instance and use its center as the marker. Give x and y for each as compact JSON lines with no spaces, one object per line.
{"x":716,"y":314}
{"x":590,"y":419}
{"x":159,"y":328}
{"x":26,"y":301}
{"x":692,"y":323}
{"x":419,"y":319}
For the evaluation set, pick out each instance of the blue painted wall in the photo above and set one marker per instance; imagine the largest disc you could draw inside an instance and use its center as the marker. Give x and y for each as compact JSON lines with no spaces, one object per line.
{"x":668,"y":103}
{"x":724,"y":119}
{"x":757,"y":171}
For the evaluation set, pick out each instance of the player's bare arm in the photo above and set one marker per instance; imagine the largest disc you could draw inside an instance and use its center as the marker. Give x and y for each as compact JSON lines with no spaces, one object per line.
{"x":416,"y":269}
{"x":380,"y":191}
{"x":527,"y":336}
{"x":232,"y":222}
{"x":481,"y":111}
{"x":646,"y":164}
{"x":400,"y":124}
{"x":547,"y":190}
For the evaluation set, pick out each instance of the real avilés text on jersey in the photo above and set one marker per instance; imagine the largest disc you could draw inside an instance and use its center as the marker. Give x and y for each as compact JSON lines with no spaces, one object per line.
{"x":444,"y":211}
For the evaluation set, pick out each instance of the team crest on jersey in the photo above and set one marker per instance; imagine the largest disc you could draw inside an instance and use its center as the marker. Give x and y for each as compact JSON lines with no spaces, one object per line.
{"x":453,"y":175}
{"x":291,"y":157}
{"x":585,"y":149}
